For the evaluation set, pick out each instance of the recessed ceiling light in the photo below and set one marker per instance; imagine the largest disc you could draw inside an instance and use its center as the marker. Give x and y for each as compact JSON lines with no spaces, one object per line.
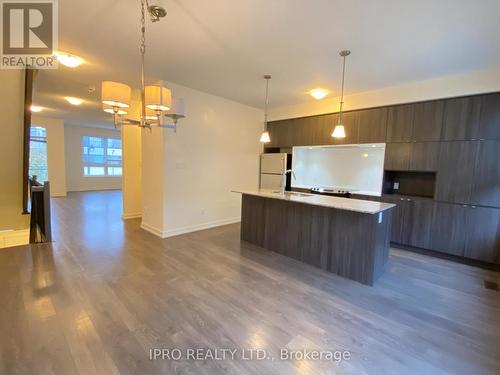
{"x":319,"y":93}
{"x":35,"y":108}
{"x":69,"y":60}
{"x":74,"y":101}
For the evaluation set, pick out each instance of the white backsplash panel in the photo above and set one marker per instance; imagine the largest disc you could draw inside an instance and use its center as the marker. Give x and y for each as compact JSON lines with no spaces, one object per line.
{"x":357,"y":167}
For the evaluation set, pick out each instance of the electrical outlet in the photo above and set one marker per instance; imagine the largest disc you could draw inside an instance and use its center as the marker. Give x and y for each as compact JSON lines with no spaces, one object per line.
{"x":396,"y":185}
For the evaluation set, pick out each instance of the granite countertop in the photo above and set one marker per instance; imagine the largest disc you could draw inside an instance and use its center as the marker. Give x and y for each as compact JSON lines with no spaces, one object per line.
{"x":348,"y":204}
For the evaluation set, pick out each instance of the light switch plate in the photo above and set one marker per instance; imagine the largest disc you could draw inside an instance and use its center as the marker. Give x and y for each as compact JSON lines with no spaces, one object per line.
{"x":380,"y":217}
{"x":396,"y":185}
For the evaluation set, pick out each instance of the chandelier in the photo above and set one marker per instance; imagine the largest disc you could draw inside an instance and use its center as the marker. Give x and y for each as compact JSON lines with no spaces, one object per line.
{"x":156,"y":100}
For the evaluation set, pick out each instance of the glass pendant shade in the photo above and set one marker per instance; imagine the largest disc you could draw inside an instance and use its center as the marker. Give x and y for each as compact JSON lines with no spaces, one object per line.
{"x":338,"y":132}
{"x":264,"y":137}
{"x":115,"y":94}
{"x":109,"y":109}
{"x":158,"y":98}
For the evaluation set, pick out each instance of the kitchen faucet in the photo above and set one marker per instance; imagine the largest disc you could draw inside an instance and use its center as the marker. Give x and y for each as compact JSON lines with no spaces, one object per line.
{"x":283,"y":179}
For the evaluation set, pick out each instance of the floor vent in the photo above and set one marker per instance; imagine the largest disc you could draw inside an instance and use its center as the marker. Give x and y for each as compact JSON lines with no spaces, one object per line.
{"x":491,"y":285}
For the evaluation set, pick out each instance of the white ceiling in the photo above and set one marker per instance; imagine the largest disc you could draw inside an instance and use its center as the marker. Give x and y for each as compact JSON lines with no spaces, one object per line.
{"x":224,"y":47}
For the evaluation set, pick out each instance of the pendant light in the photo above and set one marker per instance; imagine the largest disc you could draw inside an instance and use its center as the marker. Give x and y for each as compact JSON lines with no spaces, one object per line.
{"x":156,"y":100}
{"x":264,"y":137}
{"x":339,"y":131}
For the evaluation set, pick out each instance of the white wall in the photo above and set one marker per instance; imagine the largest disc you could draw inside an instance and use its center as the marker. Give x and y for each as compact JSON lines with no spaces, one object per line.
{"x":55,"y":153}
{"x":11,"y":150}
{"x":445,"y":87}
{"x":216,"y":149}
{"x":358,"y":167}
{"x":75,"y":181}
{"x":132,"y":166}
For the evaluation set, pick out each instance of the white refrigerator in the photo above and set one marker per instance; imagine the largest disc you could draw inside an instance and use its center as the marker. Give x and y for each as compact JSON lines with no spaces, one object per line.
{"x":272,"y":167}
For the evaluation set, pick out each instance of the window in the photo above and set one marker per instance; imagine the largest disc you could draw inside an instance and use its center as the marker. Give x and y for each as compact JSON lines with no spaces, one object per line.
{"x":38,"y":154}
{"x":101,"y":156}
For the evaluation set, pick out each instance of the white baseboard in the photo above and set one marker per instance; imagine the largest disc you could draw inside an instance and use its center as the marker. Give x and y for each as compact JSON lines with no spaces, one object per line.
{"x":153,"y":230}
{"x":132,"y":215}
{"x":188,"y":229}
{"x":11,"y":238}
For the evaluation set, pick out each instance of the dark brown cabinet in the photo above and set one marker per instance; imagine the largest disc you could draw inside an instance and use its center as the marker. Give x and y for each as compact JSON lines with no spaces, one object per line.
{"x":400,"y":218}
{"x":400,"y":123}
{"x":486,"y":183}
{"x":372,"y":125}
{"x":428,"y":121}
{"x":418,"y":156}
{"x":424,"y":156}
{"x":419,"y":222}
{"x":397,"y":156}
{"x":448,"y":228}
{"x":483,"y":234}
{"x":489,"y":125}
{"x":457,"y":161}
{"x":461,"y":119}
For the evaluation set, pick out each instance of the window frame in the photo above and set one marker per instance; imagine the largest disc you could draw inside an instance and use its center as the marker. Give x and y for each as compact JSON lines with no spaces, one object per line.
{"x":106,"y":163}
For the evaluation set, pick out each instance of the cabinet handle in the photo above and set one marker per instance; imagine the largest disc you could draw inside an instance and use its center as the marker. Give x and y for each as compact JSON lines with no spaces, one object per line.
{"x":408,"y":199}
{"x":473,"y":206}
{"x":402,"y":199}
{"x":464,"y":205}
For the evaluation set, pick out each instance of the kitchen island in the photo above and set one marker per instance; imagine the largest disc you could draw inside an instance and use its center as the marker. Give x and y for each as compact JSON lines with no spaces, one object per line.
{"x":349,"y":237}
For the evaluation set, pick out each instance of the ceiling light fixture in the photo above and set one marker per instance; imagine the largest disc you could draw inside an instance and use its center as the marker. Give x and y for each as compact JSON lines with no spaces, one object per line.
{"x":339,"y":131}
{"x":73,"y":101}
{"x":156,"y":100}
{"x":35,"y":108}
{"x":69,"y":60}
{"x":319,"y":93}
{"x":264,"y":137}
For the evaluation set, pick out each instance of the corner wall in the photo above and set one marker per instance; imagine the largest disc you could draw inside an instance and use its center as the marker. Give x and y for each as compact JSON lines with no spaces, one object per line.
{"x":216,"y":149}
{"x":11,"y":148}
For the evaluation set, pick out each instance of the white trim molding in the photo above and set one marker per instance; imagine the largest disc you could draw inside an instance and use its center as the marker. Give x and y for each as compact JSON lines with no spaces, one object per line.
{"x":132,"y":215}
{"x":9,"y":238}
{"x":188,"y":229}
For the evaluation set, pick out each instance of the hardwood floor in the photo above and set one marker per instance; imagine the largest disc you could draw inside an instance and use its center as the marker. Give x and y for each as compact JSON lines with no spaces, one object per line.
{"x":105,"y":292}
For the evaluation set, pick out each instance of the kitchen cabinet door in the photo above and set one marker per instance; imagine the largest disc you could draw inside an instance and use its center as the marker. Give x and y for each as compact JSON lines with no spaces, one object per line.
{"x":372,"y":125}
{"x":457,"y":161}
{"x":400,"y":123}
{"x":397,"y":156}
{"x":461,"y":119}
{"x":486,"y":183}
{"x":324,"y":129}
{"x":419,"y":222}
{"x":350,"y":121}
{"x":400,"y":228}
{"x":448,"y":228}
{"x":483,"y":234}
{"x":428,"y":121}
{"x":278,"y":131}
{"x":424,"y":156}
{"x":489,"y":125}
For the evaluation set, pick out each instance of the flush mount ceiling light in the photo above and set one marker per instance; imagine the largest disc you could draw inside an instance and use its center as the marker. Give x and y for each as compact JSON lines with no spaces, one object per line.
{"x":156,"y":100}
{"x":69,"y":60}
{"x":73,"y":101}
{"x":339,"y":131}
{"x":264,"y":137}
{"x":319,"y":93}
{"x":35,"y":108}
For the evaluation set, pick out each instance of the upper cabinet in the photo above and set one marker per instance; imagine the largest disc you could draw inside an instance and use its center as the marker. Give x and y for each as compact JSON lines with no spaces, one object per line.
{"x":461,"y":119}
{"x":427,"y":121}
{"x":489,"y":124}
{"x":400,"y":123}
{"x":372,"y":125}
